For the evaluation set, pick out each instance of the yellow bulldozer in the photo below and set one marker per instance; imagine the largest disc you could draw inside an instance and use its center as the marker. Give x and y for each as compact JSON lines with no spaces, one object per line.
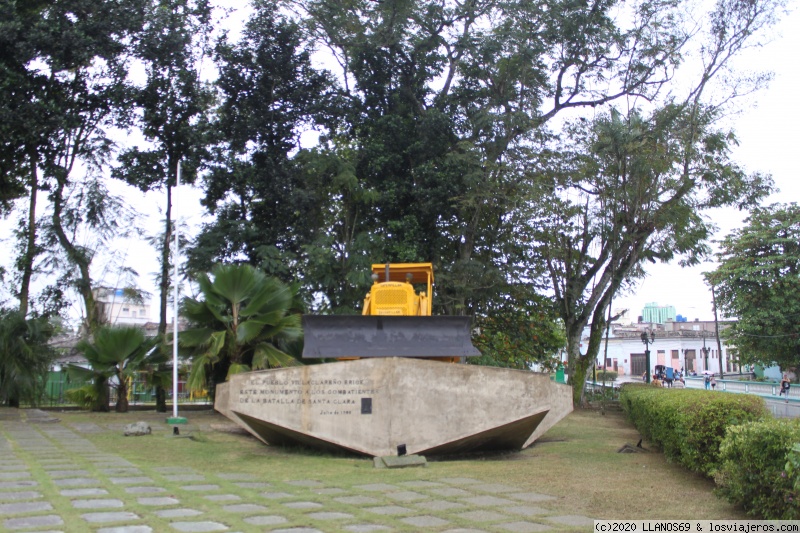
{"x":396,"y":322}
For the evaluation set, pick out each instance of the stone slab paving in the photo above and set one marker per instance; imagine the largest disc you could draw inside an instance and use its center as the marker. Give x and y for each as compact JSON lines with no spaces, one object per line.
{"x":331,"y":515}
{"x":97,"y":504}
{"x":244,"y":508}
{"x":120,"y":516}
{"x":126,"y":529}
{"x":24,"y":507}
{"x":73,"y":493}
{"x":275,"y":495}
{"x":297,"y":530}
{"x":144,"y":490}
{"x":73,"y":481}
{"x":424,"y":521}
{"x":33,"y":522}
{"x":67,"y":473}
{"x":405,"y":496}
{"x":265,"y":520}
{"x":487,"y":501}
{"x":114,"y":495}
{"x":449,"y":492}
{"x":139,"y":480}
{"x":329,"y":491}
{"x":253,"y":485}
{"x":236,"y":476}
{"x":197,"y":527}
{"x":222,"y":497}
{"x":184,"y":477}
{"x":440,"y":505}
{"x":15,"y":475}
{"x":390,"y":510}
{"x":177,"y":513}
{"x":357,"y":500}
{"x":305,"y":483}
{"x":303,"y":505}
{"x":23,"y":495}
{"x":161,"y":501}
{"x":208,"y":487}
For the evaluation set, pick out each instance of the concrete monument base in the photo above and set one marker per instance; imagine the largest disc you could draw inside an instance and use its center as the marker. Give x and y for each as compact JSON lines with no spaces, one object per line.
{"x":373,"y":406}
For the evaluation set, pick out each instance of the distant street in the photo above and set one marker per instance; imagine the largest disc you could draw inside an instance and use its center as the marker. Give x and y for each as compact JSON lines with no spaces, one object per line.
{"x":777,"y":406}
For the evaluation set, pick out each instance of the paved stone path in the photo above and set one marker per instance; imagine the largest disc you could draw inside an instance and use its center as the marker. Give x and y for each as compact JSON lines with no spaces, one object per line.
{"x":112,"y":495}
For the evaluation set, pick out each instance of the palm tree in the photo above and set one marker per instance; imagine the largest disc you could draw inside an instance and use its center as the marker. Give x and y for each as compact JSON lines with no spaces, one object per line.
{"x":25,"y":357}
{"x":116,"y":352}
{"x":244,"y":322}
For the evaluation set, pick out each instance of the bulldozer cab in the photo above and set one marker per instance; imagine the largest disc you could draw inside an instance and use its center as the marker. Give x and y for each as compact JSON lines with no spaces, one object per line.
{"x":396,"y":322}
{"x":394,"y":292}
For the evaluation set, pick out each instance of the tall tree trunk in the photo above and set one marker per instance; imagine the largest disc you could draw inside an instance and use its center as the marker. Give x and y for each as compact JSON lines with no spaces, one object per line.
{"x":101,"y":402}
{"x":78,"y":259}
{"x":122,"y":396}
{"x":164,"y":279}
{"x":30,"y":246}
{"x":161,"y":393}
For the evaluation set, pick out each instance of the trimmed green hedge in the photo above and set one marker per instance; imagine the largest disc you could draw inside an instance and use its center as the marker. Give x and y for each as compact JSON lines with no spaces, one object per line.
{"x":759,"y":468}
{"x":689,"y":425}
{"x":607,"y":375}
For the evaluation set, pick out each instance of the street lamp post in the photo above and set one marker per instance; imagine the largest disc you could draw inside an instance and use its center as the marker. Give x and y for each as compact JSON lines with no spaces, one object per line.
{"x":705,"y":351}
{"x":647,"y":342}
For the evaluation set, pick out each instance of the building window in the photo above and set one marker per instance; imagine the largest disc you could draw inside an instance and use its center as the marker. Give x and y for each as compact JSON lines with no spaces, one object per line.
{"x":125,"y":311}
{"x":675,"y":354}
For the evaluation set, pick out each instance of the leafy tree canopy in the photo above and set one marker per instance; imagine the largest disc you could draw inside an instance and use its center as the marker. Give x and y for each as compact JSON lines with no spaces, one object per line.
{"x":626,"y":190}
{"x":758,"y":282}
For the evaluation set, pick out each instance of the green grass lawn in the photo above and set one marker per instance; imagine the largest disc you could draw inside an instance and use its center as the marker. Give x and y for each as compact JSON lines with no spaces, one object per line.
{"x":576,"y":463}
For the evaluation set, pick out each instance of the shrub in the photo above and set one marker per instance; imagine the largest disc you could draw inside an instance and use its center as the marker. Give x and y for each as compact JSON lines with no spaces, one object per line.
{"x":760,"y":468}
{"x":607,"y":375}
{"x":688,"y":425}
{"x":83,"y":397}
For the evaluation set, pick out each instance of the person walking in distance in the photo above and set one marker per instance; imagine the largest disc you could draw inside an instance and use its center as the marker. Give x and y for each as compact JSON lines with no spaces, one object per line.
{"x":785,"y":386}
{"x":713,"y":382}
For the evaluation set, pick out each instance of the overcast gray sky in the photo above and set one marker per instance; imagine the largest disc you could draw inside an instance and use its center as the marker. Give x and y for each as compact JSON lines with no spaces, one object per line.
{"x":769,"y":142}
{"x":767,"y":129}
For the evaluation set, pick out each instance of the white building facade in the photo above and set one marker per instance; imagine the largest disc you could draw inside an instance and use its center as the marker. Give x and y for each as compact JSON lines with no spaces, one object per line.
{"x":691,"y":346}
{"x":118,"y":309}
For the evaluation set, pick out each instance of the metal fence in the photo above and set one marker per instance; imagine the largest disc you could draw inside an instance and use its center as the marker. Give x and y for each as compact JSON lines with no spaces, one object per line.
{"x":761,"y":388}
{"x":139,"y":391}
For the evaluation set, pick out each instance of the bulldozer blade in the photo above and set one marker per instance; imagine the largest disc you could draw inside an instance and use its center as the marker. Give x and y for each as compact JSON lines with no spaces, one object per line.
{"x":328,"y":336}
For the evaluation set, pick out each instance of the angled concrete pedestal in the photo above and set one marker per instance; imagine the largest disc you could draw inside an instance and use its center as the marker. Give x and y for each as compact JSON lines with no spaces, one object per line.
{"x":372,"y":406}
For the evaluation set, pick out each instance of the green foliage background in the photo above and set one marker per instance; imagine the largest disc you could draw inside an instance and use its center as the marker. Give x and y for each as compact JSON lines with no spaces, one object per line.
{"x":758,"y":281}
